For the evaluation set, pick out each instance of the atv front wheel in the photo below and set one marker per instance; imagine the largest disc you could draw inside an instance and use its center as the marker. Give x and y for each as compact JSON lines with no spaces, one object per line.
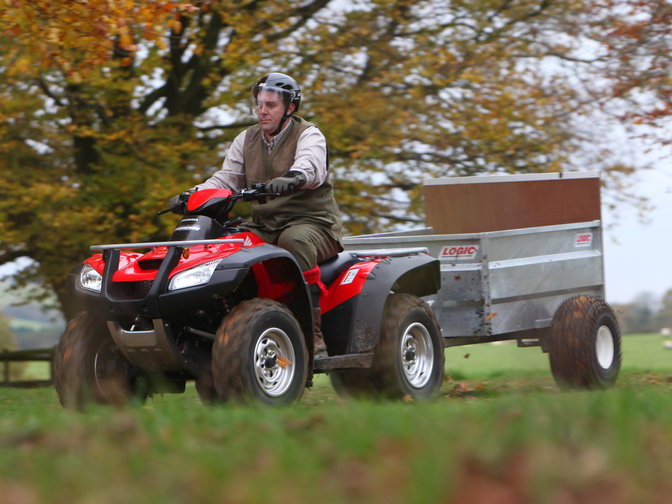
{"x":205,"y":388}
{"x":409,"y":358}
{"x":584,"y":344}
{"x":260,"y":353}
{"x":88,"y":366}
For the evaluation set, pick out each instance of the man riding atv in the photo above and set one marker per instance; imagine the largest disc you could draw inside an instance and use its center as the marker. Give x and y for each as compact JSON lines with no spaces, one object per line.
{"x":233,"y":307}
{"x":290,"y":156}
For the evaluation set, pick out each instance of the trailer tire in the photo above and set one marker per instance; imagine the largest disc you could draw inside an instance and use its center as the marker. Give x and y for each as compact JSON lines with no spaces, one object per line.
{"x":260,"y":354}
{"x":88,"y":367}
{"x":585,"y":344}
{"x":409,"y":358}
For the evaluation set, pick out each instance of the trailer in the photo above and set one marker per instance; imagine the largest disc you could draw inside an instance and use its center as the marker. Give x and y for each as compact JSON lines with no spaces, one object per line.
{"x":521,"y":259}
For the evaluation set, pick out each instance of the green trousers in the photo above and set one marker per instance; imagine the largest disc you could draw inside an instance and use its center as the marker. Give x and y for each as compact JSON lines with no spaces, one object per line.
{"x":308,"y":243}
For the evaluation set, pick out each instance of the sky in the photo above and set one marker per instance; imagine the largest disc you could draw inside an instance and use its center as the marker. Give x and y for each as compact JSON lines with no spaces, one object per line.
{"x":638,"y":256}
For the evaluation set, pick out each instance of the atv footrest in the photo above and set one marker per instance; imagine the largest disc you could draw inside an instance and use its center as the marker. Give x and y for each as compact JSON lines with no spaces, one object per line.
{"x":359,"y":360}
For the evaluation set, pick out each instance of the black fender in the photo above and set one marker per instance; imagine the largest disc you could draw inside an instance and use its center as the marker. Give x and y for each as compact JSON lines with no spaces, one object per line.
{"x":419,"y":275}
{"x":282,"y":268}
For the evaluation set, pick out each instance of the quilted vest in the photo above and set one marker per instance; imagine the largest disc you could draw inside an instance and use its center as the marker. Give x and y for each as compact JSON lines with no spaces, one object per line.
{"x":316,"y":206}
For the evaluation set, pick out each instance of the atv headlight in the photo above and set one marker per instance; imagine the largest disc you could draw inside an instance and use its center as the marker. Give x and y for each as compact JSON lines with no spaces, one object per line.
{"x":90,"y":279}
{"x":197,"y":275}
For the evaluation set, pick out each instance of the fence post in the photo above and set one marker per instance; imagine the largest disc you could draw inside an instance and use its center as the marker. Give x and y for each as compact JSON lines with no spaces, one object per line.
{"x":6,"y":366}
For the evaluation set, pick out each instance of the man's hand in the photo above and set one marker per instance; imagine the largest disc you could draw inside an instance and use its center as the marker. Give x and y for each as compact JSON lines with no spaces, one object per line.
{"x":178,"y":203}
{"x":286,"y":184}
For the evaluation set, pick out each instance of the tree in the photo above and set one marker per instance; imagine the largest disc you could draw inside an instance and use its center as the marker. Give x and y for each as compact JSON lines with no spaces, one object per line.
{"x":78,"y":36}
{"x":107,"y":111}
{"x":663,"y":318}
{"x":637,"y":42}
{"x":638,"y":316}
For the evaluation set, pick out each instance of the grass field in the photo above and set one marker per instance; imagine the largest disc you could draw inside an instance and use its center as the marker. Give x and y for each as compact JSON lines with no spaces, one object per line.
{"x":500,"y":432}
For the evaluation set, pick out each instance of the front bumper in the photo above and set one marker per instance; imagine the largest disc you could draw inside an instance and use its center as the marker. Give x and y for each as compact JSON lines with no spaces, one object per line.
{"x":151,"y":299}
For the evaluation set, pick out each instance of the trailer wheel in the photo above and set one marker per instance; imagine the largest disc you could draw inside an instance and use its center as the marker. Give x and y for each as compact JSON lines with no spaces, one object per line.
{"x":409,"y":358}
{"x":88,"y":367}
{"x":585,"y":344}
{"x":260,"y":354}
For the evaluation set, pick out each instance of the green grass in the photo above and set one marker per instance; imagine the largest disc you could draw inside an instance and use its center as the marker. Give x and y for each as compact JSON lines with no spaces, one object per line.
{"x":500,"y":431}
{"x":36,"y":371}
{"x":641,"y":352}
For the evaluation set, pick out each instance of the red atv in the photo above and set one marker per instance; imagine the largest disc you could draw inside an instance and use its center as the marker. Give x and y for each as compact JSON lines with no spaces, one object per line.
{"x":221,"y":307}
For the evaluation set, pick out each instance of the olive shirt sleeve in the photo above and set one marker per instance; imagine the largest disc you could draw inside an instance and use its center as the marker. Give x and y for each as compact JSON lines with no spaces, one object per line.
{"x":310,"y":159}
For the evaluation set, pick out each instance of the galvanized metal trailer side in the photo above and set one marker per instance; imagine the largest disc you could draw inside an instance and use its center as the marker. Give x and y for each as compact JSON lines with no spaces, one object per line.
{"x":504,"y":285}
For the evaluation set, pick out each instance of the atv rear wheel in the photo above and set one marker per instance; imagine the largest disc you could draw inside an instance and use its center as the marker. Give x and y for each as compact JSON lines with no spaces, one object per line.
{"x":88,"y":366}
{"x":260,"y":353}
{"x":354,"y":382}
{"x":585,"y":344}
{"x":409,"y":358}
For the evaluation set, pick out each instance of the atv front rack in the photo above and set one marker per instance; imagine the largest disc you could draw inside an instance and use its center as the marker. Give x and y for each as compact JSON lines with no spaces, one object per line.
{"x":149,"y":305}
{"x":185,"y":243}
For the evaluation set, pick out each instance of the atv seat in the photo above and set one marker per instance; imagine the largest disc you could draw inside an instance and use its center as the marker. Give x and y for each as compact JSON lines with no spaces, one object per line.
{"x":335,"y":265}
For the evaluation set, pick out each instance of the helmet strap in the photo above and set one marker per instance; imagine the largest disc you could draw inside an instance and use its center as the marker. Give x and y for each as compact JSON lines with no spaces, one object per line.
{"x":285,"y":115}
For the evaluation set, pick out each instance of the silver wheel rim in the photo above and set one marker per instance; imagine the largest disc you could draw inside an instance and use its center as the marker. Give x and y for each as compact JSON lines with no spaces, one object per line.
{"x":417,"y":355}
{"x":274,"y":362}
{"x":604,"y":347}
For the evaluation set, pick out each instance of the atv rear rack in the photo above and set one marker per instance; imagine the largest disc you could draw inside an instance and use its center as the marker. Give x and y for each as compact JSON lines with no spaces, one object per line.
{"x":390,"y":252}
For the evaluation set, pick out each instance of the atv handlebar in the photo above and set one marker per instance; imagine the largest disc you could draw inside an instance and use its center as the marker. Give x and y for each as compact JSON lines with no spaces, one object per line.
{"x":255,"y":193}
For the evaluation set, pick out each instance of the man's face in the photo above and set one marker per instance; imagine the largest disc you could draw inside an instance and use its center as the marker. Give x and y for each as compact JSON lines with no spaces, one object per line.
{"x":270,"y":109}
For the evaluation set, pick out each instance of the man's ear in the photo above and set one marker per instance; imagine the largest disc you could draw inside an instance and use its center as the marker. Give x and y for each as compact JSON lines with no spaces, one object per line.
{"x":291,"y":108}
